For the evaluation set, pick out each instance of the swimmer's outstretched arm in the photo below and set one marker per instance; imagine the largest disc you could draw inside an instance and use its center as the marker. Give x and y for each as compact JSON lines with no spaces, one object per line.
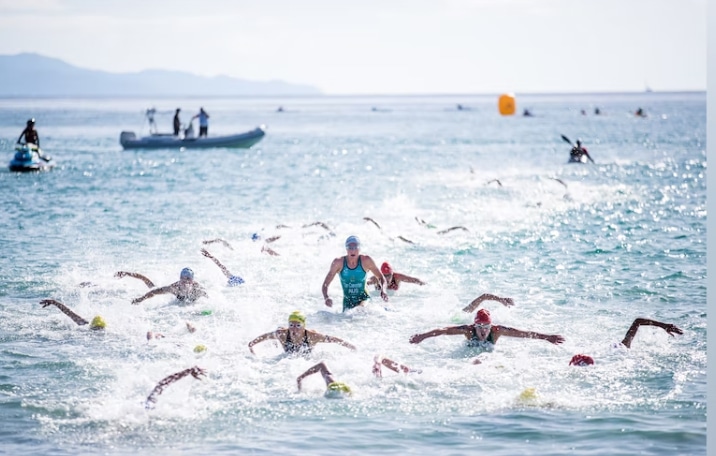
{"x":368,"y":219}
{"x":269,"y":250}
{"x":65,"y":310}
{"x":226,"y":272}
{"x":407,"y":278}
{"x":629,"y":337}
{"x":405,"y":240}
{"x":120,"y":274}
{"x":195,"y":372}
{"x":512,"y":332}
{"x":321,"y":224}
{"x":380,"y":360}
{"x":320,"y":367}
{"x":487,"y":296}
{"x":212,"y":241}
{"x":263,"y":337}
{"x":156,"y":291}
{"x":453,"y":229}
{"x":450,"y":331}
{"x":333,"y":340}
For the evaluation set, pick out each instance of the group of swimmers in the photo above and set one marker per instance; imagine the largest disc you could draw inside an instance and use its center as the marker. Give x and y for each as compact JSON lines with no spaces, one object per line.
{"x":352,"y":270}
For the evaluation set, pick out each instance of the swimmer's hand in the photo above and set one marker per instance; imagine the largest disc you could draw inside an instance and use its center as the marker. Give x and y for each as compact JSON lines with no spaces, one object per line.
{"x":329,"y":302}
{"x":384,"y":295}
{"x":555,"y":339}
{"x":416,"y":338}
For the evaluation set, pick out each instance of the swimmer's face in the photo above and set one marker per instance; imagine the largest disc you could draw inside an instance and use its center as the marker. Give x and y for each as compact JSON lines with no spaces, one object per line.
{"x":295,"y":326}
{"x":352,"y":249}
{"x":482,"y":330}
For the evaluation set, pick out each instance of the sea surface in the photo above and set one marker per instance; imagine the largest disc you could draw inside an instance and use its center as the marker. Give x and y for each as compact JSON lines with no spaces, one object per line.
{"x":582,"y":250}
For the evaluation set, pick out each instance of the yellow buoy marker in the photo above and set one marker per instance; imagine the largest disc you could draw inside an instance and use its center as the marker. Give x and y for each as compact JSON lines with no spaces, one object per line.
{"x":506,"y":104}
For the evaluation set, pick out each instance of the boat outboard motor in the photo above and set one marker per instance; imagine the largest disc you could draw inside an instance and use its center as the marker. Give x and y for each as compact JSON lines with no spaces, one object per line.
{"x":189,"y":132}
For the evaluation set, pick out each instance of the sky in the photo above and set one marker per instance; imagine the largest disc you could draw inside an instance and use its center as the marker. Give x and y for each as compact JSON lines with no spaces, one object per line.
{"x":377,"y":47}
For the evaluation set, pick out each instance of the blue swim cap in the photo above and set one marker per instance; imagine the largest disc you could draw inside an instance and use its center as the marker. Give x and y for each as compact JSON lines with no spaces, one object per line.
{"x":255,"y":237}
{"x":235,"y":280}
{"x":186,"y":273}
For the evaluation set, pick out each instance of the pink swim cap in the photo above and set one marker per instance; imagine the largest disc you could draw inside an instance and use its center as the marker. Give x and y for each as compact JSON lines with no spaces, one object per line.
{"x":483,"y":317}
{"x":385,"y":268}
{"x":581,"y":360}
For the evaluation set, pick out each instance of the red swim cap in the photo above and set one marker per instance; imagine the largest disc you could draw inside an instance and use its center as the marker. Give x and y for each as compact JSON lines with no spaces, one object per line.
{"x":483,"y":317}
{"x":385,"y":268}
{"x":581,"y":360}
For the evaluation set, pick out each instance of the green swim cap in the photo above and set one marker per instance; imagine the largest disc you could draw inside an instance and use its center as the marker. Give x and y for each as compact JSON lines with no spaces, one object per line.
{"x":200,"y":348}
{"x":298,"y":317}
{"x":98,"y":323}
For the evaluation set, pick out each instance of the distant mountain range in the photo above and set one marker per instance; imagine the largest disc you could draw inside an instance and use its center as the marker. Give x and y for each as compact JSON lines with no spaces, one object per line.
{"x":34,"y":75}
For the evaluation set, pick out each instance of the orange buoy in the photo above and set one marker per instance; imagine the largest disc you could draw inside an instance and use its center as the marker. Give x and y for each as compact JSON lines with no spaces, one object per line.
{"x":506,"y":104}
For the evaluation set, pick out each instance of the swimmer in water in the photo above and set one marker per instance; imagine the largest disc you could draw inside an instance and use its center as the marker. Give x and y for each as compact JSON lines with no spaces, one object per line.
{"x":195,"y":372}
{"x":186,"y":289}
{"x":233,"y":280}
{"x":298,"y":339}
{"x":484,"y":334}
{"x":393,"y":278}
{"x":586,"y":360}
{"x":334,"y":388}
{"x":96,"y":324}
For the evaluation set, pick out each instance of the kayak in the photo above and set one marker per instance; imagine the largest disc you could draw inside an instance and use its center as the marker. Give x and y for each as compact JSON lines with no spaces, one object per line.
{"x":29,"y":158}
{"x":129,"y":140}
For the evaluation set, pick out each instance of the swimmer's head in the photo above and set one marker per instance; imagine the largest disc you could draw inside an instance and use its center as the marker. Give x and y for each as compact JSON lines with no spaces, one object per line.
{"x":186,"y":274}
{"x":385,"y":268}
{"x":297,"y":317}
{"x":581,"y":360}
{"x":483,"y":317}
{"x":98,"y":323}
{"x":352,"y":243}
{"x":337,"y":390}
{"x":255,"y":237}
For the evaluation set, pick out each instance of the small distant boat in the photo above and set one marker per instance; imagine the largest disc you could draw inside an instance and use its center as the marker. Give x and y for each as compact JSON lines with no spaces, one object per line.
{"x":29,"y":158}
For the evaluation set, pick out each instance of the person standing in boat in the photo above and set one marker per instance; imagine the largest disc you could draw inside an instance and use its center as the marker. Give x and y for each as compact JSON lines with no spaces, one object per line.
{"x":30,"y":134}
{"x":203,"y":122}
{"x":177,"y":122}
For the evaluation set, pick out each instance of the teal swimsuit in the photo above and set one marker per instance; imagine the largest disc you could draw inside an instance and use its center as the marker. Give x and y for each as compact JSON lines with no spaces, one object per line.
{"x":353,"y":283}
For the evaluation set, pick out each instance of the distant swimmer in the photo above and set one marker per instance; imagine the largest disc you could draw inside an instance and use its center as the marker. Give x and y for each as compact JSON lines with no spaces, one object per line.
{"x":233,"y":279}
{"x":640,"y":113}
{"x":579,"y":153}
{"x":393,"y":278}
{"x":298,"y":339}
{"x":186,"y":289}
{"x":671,"y":329}
{"x":454,"y":228}
{"x":96,"y":324}
{"x":527,"y":113}
{"x":195,"y":372}
{"x":597,"y":111}
{"x":279,"y":109}
{"x":352,"y":270}
{"x":483,"y":334}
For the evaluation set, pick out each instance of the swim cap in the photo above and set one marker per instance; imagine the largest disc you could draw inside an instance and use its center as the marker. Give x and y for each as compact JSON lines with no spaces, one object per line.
{"x":581,"y":360}
{"x":483,"y":317}
{"x":200,"y":348}
{"x":98,"y":323}
{"x":385,"y":268}
{"x":353,"y":240}
{"x":187,"y":273}
{"x":297,"y":316}
{"x":339,"y":388}
{"x":235,"y":280}
{"x":255,"y":237}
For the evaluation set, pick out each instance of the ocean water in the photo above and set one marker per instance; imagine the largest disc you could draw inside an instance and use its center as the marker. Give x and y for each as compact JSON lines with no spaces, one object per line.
{"x":582,"y":256}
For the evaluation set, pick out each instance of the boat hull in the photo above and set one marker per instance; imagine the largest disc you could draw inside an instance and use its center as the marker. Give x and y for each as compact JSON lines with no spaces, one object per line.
{"x":129,"y":140}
